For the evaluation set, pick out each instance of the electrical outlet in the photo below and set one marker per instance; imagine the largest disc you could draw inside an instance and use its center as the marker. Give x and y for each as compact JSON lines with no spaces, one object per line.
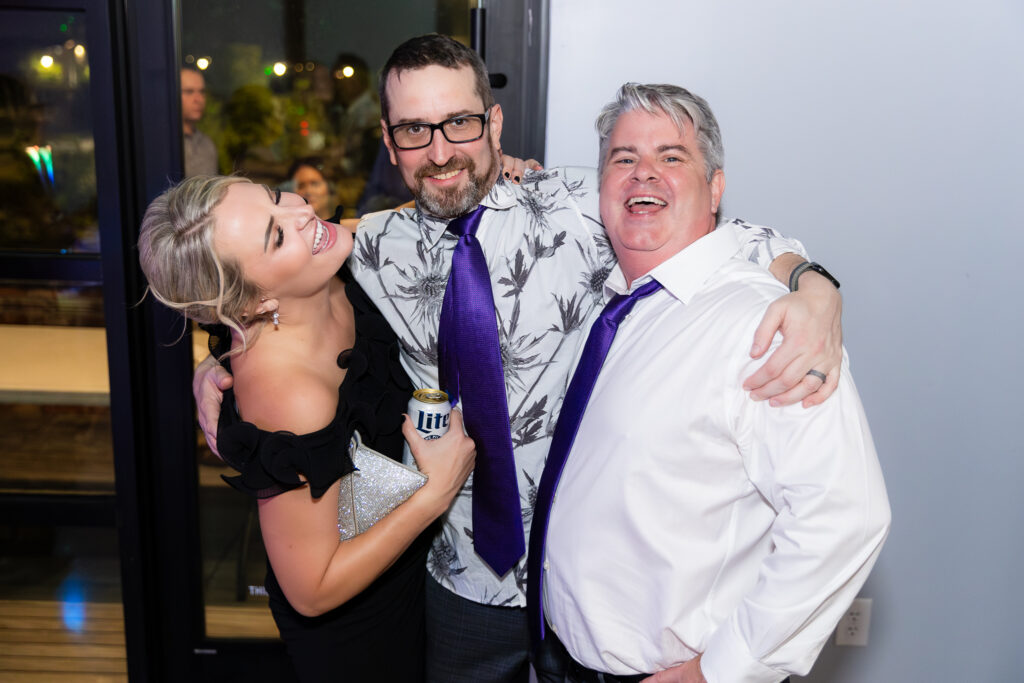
{"x":853,"y":627}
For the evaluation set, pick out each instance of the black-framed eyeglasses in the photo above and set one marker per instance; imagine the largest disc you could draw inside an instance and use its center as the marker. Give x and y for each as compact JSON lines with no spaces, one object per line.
{"x":457,"y":129}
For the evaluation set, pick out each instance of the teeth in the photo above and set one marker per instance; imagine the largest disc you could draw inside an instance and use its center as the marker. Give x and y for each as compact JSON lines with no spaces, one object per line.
{"x":320,"y":232}
{"x":446,"y":176}
{"x":645,"y":200}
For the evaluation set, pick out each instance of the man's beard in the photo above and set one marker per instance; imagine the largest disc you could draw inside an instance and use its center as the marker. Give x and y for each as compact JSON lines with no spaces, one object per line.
{"x":452,"y":202}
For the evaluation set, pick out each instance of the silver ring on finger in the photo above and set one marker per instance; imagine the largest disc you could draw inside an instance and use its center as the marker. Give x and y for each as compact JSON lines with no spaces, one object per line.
{"x":817,"y":373}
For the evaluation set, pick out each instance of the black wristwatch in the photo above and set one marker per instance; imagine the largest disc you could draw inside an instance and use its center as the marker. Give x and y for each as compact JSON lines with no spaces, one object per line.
{"x":794,"y":277}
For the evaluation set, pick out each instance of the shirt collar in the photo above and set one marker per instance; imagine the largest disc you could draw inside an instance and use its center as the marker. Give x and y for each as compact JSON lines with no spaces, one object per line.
{"x":684,"y":274}
{"x":502,"y":197}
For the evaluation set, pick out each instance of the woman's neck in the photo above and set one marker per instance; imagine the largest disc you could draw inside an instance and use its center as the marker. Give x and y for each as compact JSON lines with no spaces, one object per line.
{"x":308,"y":324}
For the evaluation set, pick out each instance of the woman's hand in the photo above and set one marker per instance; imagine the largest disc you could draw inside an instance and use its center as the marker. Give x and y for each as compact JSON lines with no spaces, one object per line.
{"x":447,"y":461}
{"x":513,"y":168}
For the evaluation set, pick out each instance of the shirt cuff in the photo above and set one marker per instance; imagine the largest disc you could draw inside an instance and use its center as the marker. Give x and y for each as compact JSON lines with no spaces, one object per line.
{"x":727,"y":659}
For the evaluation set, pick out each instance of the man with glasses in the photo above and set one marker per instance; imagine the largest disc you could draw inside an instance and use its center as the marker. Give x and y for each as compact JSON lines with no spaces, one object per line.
{"x":547,"y":258}
{"x":543,"y":256}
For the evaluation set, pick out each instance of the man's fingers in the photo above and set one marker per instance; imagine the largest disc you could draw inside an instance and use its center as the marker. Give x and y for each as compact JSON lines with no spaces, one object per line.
{"x":221,"y":378}
{"x":805,"y":388}
{"x":202,"y":370}
{"x":770,"y":378}
{"x":824,"y":391}
{"x":807,"y":344}
{"x":208,"y":423}
{"x":765,"y":332}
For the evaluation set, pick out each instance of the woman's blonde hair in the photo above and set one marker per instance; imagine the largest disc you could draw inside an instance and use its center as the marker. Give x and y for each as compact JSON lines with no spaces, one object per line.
{"x":183,"y":269}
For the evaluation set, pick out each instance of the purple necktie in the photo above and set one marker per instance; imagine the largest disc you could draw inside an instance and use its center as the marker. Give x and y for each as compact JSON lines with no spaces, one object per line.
{"x":576,"y":397}
{"x":469,"y":365}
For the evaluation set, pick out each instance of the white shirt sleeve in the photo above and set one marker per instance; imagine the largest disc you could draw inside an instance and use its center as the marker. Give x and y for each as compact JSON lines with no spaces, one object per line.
{"x":818,"y":468}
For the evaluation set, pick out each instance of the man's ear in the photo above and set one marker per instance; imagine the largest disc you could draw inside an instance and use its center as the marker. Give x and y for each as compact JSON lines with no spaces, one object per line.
{"x":717,"y":189}
{"x":387,"y":142}
{"x":495,"y":122}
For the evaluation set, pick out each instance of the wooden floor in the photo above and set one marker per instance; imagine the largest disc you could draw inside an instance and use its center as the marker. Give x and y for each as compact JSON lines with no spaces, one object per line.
{"x":38,"y":646}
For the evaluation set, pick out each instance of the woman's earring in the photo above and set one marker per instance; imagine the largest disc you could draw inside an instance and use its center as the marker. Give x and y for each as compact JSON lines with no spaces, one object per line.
{"x":276,"y":319}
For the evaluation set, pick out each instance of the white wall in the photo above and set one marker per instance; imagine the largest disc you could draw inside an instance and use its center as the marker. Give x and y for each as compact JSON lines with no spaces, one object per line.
{"x":889,"y":137}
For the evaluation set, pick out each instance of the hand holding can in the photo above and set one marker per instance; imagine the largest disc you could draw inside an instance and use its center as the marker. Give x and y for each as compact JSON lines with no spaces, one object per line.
{"x":430,"y":412}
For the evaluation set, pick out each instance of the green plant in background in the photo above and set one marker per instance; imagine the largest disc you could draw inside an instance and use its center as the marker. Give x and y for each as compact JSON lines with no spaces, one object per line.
{"x":305,"y":124}
{"x":252,"y":118}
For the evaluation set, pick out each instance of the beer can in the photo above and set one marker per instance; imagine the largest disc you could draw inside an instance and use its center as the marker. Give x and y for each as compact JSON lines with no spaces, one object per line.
{"x":430,"y":411}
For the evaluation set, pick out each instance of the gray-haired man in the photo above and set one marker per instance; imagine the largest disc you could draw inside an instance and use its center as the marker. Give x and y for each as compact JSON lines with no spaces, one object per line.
{"x":696,"y":535}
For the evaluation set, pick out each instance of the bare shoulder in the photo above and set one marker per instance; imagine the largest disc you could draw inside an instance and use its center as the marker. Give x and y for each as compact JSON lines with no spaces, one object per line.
{"x":285,"y":392}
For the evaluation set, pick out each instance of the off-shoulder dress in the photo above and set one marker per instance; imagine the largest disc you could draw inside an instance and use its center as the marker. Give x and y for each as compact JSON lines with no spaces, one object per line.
{"x":379,"y":634}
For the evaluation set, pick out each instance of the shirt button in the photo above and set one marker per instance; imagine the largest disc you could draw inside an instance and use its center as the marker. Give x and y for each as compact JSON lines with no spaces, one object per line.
{"x":554,"y":629}
{"x":547,"y":566}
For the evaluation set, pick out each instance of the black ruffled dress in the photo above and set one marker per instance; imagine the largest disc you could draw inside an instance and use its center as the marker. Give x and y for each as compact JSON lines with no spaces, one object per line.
{"x":379,"y":634}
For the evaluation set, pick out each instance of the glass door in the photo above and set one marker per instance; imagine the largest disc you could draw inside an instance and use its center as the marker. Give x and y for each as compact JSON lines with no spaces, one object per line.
{"x":62,"y":315}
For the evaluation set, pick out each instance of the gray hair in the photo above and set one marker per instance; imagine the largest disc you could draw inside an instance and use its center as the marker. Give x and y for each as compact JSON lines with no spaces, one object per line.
{"x":183,"y":269}
{"x":679,"y":104}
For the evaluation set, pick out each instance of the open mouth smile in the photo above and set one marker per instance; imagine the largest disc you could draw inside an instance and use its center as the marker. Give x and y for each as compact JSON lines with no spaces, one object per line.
{"x":324,"y":237}
{"x":645,"y":204}
{"x":448,"y":175}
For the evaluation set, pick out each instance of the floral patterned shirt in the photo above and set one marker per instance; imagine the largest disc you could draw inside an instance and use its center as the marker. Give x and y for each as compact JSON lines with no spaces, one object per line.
{"x":548,"y":257}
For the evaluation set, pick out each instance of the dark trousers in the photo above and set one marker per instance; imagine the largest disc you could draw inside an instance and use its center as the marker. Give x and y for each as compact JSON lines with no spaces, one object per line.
{"x":472,"y":643}
{"x":577,"y":673}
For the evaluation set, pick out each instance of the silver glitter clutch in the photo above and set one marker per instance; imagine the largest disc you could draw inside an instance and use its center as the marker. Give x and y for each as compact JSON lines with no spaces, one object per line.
{"x":376,"y":487}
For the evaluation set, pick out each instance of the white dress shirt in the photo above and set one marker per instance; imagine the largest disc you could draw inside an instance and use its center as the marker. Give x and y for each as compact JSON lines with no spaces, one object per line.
{"x":690,"y":519}
{"x":548,"y":259}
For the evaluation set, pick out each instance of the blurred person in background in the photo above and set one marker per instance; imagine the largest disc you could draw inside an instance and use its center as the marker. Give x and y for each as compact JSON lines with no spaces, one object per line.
{"x":355,"y":114}
{"x":200,"y":152}
{"x":307,"y":179}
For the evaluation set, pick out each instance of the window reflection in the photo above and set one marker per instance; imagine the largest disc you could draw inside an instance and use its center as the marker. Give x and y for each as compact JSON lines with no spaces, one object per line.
{"x":47,"y":168}
{"x":59,"y":584}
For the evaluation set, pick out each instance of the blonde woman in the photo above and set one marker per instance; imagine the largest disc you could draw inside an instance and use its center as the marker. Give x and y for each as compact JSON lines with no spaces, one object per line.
{"x":313,"y":361}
